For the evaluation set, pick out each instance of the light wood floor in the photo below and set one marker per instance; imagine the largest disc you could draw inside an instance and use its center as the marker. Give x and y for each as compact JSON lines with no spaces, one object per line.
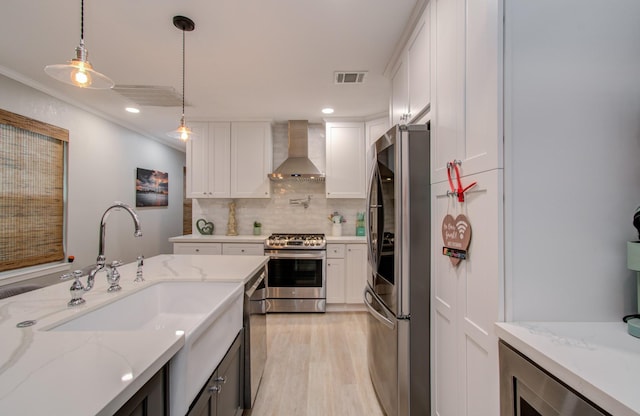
{"x":316,"y":365}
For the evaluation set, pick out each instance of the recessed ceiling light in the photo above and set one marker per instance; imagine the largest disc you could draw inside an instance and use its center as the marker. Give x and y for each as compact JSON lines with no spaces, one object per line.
{"x":327,"y":110}
{"x":133,"y":110}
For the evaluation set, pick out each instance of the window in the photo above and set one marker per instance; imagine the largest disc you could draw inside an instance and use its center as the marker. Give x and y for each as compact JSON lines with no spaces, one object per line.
{"x":32,"y":191}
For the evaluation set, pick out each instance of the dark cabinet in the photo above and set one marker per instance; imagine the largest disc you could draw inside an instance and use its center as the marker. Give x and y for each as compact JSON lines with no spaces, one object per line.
{"x":152,"y":399}
{"x":222,"y":394}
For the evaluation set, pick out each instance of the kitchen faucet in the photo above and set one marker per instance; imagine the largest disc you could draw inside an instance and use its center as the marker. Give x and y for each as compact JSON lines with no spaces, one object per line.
{"x":113,"y":276}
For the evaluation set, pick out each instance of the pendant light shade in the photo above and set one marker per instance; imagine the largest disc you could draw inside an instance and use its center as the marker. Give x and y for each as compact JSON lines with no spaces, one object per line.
{"x":78,"y":71}
{"x":183,"y":132}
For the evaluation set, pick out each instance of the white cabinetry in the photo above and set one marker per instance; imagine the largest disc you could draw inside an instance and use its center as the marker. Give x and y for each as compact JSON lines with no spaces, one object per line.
{"x":208,"y":162}
{"x":374,"y":129}
{"x":466,"y":120}
{"x":229,"y":160}
{"x":345,"y":169}
{"x":346,"y":273}
{"x":251,"y":159}
{"x":197,"y":248}
{"x":243,"y":249}
{"x":411,"y":78}
{"x":467,"y":116}
{"x":466,"y":302}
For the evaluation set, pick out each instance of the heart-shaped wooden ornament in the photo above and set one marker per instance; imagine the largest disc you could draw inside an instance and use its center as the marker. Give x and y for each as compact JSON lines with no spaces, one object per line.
{"x":456,"y":234}
{"x":204,"y":227}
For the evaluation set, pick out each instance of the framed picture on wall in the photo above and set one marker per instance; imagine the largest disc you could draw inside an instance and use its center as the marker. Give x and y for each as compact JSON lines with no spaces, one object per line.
{"x":152,"y":188}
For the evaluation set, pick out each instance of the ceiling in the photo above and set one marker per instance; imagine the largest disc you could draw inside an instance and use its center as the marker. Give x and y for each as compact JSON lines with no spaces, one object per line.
{"x":245,"y":60}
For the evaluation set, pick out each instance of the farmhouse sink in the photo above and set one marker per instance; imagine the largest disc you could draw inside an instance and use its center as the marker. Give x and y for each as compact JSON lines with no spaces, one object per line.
{"x":209,"y":314}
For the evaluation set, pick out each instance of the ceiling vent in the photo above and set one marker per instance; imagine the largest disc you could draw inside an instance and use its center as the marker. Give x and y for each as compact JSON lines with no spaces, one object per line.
{"x":349,"y":77}
{"x":150,"y":95}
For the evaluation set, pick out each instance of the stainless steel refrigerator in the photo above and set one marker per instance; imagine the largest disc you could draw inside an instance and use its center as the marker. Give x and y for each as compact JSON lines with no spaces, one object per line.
{"x":398,"y":284}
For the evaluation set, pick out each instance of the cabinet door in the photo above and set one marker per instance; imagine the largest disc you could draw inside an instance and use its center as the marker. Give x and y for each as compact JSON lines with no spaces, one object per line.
{"x":465,"y":302}
{"x":356,"y":272}
{"x":238,"y":249}
{"x":220,"y":160}
{"x":467,"y":122}
{"x":229,"y":382}
{"x":198,"y":162}
{"x":335,"y":281}
{"x":418,"y":61}
{"x":345,"y":176}
{"x":374,"y":129}
{"x":447,"y":130}
{"x":208,"y":161}
{"x":251,"y":159}
{"x":197,"y":248}
{"x":151,"y":400}
{"x":400,"y":93}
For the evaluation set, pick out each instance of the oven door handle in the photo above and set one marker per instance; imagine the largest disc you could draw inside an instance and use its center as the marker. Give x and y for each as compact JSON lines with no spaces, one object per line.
{"x":369,"y":298}
{"x":295,"y":256}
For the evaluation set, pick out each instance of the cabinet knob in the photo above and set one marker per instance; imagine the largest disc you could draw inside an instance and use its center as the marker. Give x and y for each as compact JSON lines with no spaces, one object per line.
{"x":197,"y":250}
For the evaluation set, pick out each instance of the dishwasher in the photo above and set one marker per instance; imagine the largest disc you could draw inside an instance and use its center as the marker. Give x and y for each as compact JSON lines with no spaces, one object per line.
{"x":255,"y":334}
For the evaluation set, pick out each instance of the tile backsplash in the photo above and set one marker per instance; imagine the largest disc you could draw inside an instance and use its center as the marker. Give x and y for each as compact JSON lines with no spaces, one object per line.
{"x":277,"y":214}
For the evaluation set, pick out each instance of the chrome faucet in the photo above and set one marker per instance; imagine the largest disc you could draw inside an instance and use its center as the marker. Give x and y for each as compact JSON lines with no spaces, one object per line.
{"x":113,"y":276}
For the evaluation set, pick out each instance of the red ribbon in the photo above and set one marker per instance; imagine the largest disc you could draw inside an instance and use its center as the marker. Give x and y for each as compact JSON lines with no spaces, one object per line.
{"x":459,"y":192}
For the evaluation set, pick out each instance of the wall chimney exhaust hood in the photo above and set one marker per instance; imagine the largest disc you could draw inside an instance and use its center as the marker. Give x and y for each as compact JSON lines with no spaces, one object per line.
{"x":297,"y":166}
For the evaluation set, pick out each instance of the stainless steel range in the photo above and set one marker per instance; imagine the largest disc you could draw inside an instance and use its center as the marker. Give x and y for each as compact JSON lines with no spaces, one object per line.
{"x":296,"y":281}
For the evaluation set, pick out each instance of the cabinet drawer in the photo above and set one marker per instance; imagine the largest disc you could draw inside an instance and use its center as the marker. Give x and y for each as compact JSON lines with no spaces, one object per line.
{"x":197,"y":248}
{"x":335,"y":251}
{"x":236,"y":249}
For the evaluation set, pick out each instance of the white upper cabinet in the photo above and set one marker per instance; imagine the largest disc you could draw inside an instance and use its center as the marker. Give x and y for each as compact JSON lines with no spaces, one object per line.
{"x":229,"y":160}
{"x":208,"y":163}
{"x":411,"y":78}
{"x":467,"y":105}
{"x":374,"y":129}
{"x":251,"y":159}
{"x":345,"y":169}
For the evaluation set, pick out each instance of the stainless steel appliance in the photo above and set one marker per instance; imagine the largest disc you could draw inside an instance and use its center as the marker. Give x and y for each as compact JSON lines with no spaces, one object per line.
{"x":398,"y":285}
{"x":528,"y":390}
{"x":255,"y":335}
{"x":297,"y":272}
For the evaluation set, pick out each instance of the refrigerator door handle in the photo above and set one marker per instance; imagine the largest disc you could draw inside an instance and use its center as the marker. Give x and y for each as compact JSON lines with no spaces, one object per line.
{"x":369,"y":298}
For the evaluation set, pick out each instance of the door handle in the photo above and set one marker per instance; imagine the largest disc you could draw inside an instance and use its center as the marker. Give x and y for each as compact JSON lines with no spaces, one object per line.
{"x":368,"y":297}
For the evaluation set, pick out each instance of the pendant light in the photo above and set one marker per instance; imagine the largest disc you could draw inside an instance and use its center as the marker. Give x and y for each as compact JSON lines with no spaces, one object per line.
{"x":182,"y":132}
{"x":79,"y":71}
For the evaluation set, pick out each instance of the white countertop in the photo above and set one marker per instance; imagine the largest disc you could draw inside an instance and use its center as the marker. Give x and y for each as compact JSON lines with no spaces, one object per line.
{"x":81,"y":373}
{"x":600,"y":360}
{"x":198,"y":238}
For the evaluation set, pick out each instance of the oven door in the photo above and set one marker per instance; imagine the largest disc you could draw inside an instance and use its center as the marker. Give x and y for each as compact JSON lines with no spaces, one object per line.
{"x":296,"y":274}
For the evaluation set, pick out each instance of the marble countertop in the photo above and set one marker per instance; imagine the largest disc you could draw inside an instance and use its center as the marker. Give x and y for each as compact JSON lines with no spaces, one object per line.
{"x":600,"y":360}
{"x":197,"y":238}
{"x":93,"y":373}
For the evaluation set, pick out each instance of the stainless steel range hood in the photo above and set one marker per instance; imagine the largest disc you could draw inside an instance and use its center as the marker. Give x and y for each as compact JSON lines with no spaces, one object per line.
{"x":297,"y":166}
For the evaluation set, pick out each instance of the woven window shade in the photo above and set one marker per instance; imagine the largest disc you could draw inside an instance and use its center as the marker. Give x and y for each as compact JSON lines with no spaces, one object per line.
{"x":32,"y":173}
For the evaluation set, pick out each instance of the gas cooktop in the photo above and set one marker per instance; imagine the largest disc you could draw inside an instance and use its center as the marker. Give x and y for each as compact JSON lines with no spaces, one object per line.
{"x":296,"y":241}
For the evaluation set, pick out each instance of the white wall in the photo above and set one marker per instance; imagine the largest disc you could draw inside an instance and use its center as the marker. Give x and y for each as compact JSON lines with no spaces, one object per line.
{"x":572,"y":173}
{"x":103,"y":158}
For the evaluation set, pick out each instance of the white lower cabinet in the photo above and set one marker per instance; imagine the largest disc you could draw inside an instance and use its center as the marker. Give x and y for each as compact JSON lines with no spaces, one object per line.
{"x":242,"y":249}
{"x":346,"y":273}
{"x":234,"y":249}
{"x":197,"y":248}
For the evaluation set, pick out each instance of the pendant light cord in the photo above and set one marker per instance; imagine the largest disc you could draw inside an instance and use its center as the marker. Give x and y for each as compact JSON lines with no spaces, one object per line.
{"x":183,"y":60}
{"x":82,"y":22}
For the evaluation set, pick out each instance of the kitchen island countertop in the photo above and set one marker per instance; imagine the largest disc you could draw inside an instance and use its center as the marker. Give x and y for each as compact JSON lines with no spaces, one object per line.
{"x":599,"y":360}
{"x":93,"y":373}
